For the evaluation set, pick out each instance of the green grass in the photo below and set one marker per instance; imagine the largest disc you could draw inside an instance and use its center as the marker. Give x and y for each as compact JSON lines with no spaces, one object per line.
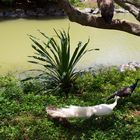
{"x":23,"y":116}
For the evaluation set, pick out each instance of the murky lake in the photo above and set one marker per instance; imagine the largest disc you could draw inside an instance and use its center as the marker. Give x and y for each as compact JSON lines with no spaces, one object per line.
{"x":116,"y":47}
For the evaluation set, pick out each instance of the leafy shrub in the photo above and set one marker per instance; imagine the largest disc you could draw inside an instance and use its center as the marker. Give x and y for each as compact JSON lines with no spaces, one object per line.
{"x":59,"y":64}
{"x":32,"y":86}
{"x":10,"y":87}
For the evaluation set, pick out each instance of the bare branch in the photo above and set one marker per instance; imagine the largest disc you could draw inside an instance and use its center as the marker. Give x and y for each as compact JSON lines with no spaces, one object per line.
{"x":132,"y":6}
{"x":133,"y":2}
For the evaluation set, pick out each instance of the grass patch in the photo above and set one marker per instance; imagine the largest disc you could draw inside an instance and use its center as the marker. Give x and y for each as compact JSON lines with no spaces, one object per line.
{"x":23,"y":116}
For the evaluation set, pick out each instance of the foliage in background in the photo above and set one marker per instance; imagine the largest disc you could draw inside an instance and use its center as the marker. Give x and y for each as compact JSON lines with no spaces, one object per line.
{"x":58,"y":62}
{"x":8,"y":2}
{"x":81,"y":5}
{"x":104,"y":79}
{"x":74,"y":1}
{"x":23,"y":116}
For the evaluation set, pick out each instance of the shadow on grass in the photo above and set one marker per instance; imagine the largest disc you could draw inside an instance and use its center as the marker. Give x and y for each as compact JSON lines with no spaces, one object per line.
{"x":77,"y":127}
{"x":130,"y":103}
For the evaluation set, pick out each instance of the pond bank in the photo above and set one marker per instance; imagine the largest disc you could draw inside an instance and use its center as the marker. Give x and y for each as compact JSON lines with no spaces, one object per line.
{"x":47,"y":10}
{"x":31,"y":13}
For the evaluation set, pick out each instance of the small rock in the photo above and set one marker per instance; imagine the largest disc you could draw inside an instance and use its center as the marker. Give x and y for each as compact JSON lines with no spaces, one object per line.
{"x":96,"y":11}
{"x":87,"y":10}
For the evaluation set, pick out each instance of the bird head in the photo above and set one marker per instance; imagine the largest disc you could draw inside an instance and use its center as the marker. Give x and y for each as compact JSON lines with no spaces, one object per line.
{"x":137,"y":79}
{"x":116,"y":97}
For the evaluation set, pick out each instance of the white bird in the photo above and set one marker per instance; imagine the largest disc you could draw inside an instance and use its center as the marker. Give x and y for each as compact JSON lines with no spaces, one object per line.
{"x":78,"y":111}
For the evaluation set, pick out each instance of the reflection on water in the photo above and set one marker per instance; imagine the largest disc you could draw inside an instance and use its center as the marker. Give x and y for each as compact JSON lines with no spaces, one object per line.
{"x":115,"y":47}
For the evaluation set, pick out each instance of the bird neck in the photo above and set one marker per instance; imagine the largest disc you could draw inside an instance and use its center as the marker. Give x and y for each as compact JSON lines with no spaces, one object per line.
{"x":134,"y":85}
{"x":115,"y":103}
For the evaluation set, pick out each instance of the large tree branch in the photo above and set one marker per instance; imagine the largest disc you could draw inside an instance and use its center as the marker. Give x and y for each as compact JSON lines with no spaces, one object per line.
{"x":94,"y":21}
{"x":133,"y":2}
{"x":132,"y":6}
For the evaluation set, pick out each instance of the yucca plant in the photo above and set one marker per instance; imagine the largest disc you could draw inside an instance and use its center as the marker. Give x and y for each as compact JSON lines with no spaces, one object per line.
{"x":59,"y":65}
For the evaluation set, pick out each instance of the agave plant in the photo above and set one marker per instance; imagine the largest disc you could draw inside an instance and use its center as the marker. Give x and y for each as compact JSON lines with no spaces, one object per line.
{"x":55,"y":57}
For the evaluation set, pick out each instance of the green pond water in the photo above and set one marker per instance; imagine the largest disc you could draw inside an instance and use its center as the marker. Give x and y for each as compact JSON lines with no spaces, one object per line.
{"x":116,"y":47}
